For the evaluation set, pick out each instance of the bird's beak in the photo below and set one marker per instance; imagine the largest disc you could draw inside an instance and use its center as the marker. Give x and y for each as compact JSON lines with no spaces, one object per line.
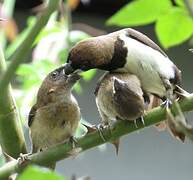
{"x":74,"y":77}
{"x":68,"y":68}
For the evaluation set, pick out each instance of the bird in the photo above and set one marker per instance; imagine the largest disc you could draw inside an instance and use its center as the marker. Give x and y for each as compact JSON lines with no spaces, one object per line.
{"x":56,"y":114}
{"x":119,"y":97}
{"x":130,"y":51}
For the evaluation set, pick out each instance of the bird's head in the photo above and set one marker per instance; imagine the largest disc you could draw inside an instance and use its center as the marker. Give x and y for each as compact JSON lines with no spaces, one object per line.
{"x":57,"y":83}
{"x":101,"y":52}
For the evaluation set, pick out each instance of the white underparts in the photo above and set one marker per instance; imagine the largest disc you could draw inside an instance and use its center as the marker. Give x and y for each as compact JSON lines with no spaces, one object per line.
{"x":148,"y":64}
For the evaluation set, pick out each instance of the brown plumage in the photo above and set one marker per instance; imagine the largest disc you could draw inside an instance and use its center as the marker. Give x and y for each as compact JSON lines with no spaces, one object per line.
{"x":55,"y":116}
{"x":119,"y":96}
{"x":127,"y":50}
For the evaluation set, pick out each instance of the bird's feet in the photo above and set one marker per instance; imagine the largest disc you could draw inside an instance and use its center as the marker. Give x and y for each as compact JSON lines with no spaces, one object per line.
{"x":100,"y":128}
{"x":76,"y":149}
{"x":167,"y":103}
{"x":74,"y":142}
{"x":23,"y":158}
{"x":141,"y":119}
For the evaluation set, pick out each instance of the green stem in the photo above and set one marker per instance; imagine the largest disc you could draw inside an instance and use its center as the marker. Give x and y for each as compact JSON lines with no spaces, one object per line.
{"x":22,"y":51}
{"x":11,"y":134}
{"x":92,"y":140}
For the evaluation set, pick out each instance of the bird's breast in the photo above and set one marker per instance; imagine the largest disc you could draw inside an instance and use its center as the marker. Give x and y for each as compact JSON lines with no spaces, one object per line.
{"x":55,"y":123}
{"x":148,"y":64}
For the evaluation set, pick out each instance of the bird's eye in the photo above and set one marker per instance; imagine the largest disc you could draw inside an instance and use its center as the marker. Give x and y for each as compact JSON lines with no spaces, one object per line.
{"x":54,"y":74}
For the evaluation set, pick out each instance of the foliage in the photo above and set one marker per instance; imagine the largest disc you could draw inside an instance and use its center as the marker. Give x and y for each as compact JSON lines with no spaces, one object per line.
{"x":35,"y":172}
{"x":173,"y":24}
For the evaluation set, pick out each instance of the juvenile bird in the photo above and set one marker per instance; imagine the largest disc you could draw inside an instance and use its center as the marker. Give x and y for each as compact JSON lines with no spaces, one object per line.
{"x":128,"y":50}
{"x":55,"y":116}
{"x":119,"y":97}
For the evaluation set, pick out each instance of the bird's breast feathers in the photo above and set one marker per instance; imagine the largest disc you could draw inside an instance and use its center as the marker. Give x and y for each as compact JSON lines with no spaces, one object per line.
{"x":148,"y":64}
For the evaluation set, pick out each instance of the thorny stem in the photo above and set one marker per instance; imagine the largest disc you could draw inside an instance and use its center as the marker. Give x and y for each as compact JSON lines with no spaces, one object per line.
{"x":94,"y":139}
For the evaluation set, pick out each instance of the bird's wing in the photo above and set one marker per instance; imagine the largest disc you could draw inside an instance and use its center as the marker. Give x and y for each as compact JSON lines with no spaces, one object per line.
{"x":32,"y":115}
{"x":128,"y":103}
{"x":143,"y":39}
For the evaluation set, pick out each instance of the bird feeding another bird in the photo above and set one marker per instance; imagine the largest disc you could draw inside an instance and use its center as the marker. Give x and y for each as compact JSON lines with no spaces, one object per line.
{"x":129,"y":51}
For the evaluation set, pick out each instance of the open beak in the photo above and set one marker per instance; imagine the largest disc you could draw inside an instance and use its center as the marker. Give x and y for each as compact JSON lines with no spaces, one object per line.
{"x":74,"y":77}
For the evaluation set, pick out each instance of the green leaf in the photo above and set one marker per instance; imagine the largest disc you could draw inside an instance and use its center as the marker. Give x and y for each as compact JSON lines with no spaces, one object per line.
{"x":140,"y":12}
{"x":180,"y":3}
{"x":174,"y":28}
{"x":88,"y":75}
{"x":37,"y":173}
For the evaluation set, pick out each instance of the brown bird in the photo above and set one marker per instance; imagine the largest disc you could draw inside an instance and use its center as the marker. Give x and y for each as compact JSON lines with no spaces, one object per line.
{"x":119,"y":97}
{"x":129,"y":51}
{"x":56,"y":115}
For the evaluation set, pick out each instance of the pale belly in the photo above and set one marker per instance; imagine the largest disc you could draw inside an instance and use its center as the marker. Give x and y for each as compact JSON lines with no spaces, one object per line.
{"x":48,"y":128}
{"x":149,"y":65}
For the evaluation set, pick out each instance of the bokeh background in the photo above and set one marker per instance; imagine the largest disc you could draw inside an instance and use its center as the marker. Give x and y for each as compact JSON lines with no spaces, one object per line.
{"x":147,"y":154}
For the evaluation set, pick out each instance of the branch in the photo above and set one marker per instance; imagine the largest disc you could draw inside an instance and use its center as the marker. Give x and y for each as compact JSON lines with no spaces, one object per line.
{"x":11,"y":134}
{"x":22,"y":51}
{"x":91,"y":140}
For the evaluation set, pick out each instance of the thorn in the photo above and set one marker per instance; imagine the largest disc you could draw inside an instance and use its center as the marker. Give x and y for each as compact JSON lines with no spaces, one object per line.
{"x":116,"y":144}
{"x":90,"y":129}
{"x":181,"y":92}
{"x":172,"y":126}
{"x":161,"y":126}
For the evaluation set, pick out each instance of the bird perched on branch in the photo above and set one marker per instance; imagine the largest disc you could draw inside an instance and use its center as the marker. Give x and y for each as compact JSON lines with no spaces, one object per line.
{"x":128,"y":50}
{"x":119,"y":97}
{"x":55,"y":116}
